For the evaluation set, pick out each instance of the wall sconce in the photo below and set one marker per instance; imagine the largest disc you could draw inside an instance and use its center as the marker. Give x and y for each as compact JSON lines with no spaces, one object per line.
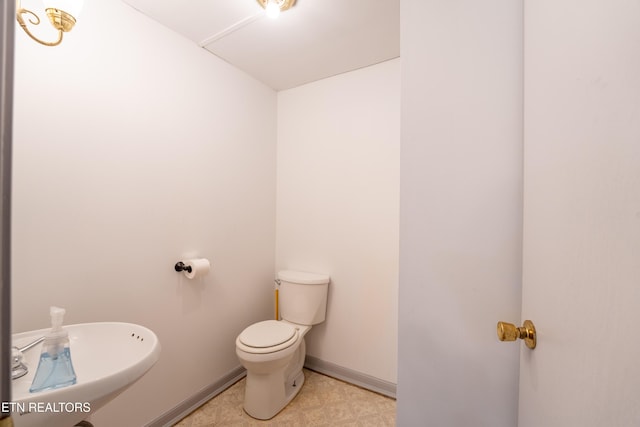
{"x":61,"y":13}
{"x":274,"y":7}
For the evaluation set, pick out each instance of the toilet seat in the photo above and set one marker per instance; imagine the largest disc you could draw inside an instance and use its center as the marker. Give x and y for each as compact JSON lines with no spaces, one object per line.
{"x":267,"y":336}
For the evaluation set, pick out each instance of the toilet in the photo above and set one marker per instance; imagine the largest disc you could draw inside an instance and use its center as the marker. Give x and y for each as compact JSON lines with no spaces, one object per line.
{"x":273,"y":351}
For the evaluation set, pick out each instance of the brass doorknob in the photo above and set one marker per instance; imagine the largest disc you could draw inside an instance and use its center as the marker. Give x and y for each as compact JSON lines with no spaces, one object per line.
{"x":511,"y":332}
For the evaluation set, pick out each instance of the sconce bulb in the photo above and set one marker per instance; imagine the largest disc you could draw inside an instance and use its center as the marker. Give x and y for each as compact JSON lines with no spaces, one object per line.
{"x":272,"y":9}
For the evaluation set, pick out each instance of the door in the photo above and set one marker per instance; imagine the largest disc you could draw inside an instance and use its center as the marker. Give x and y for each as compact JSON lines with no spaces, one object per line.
{"x":581,"y":253}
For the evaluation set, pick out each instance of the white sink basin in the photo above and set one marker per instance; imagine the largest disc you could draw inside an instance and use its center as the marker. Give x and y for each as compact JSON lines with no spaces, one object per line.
{"x":107,"y":357}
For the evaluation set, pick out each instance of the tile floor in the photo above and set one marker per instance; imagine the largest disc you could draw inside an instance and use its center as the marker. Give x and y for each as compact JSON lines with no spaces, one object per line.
{"x":323,"y":401}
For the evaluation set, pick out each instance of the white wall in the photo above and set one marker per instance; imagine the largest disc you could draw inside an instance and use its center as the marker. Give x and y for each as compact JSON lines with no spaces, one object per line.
{"x":337,"y":209}
{"x":132,"y":147}
{"x":461,"y":210}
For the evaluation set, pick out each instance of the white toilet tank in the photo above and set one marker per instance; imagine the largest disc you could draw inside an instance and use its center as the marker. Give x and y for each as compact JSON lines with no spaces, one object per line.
{"x":303,"y":297}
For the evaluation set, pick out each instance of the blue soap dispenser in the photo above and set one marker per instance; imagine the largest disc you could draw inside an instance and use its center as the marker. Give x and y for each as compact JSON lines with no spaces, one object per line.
{"x":55,"y":369}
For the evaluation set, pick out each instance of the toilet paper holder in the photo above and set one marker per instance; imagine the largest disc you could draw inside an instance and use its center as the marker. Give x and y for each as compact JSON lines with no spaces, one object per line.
{"x":181,"y":266}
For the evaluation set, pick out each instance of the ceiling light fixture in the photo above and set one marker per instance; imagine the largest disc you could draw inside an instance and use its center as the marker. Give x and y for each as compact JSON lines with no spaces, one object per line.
{"x":61,"y":13}
{"x":273,"y":7}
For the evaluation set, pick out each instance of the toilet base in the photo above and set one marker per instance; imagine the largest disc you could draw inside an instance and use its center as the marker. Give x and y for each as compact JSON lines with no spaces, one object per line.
{"x":263,"y":399}
{"x":294,"y":387}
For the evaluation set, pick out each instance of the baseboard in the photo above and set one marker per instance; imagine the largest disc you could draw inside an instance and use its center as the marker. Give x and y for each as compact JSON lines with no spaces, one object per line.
{"x":192,"y":403}
{"x":349,"y":375}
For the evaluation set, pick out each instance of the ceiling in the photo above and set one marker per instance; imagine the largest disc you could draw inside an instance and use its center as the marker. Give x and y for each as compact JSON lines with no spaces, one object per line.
{"x":312,"y":40}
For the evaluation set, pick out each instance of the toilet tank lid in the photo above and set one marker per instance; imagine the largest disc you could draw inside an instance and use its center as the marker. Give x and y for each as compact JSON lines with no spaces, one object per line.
{"x":303,"y":278}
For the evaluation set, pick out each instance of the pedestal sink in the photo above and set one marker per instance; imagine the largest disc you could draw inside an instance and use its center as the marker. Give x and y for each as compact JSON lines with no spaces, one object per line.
{"x":108,"y":357}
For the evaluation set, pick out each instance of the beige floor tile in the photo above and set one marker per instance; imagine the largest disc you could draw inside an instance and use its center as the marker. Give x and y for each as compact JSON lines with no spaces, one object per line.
{"x":322,"y":402}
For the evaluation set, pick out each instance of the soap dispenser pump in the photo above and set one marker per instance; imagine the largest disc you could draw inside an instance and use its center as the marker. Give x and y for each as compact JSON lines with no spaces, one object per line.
{"x":55,"y":369}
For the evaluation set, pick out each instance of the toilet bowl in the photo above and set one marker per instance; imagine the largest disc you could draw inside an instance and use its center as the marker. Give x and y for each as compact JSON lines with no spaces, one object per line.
{"x":273,"y":351}
{"x":273,"y":354}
